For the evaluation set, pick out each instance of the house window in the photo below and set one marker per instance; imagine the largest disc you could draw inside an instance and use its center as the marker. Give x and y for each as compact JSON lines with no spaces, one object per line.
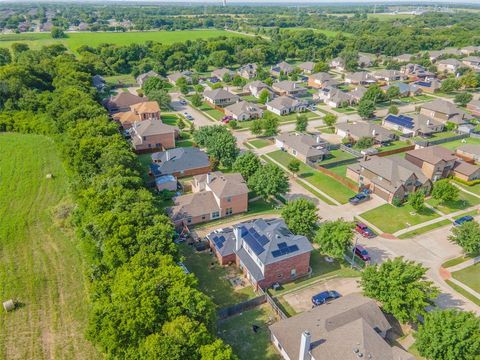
{"x":189,"y":220}
{"x":293,"y":273}
{"x":294,"y":152}
{"x":229,"y":211}
{"x":215,"y":215}
{"x":144,"y":138}
{"x":157,"y":145}
{"x":149,"y":145}
{"x":229,"y":199}
{"x":204,"y":217}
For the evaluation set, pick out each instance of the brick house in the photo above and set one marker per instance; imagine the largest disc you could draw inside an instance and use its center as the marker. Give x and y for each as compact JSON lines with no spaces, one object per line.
{"x":256,"y":87}
{"x":214,"y":196}
{"x":146,"y":110}
{"x":413,"y":125}
{"x":284,"y":105}
{"x":436,"y":162}
{"x":220,"y":97}
{"x":469,"y":152}
{"x":474,"y":107}
{"x":321,"y":80}
{"x":248,"y":71}
{"x":180,"y":162}
{"x":356,"y":131}
{"x":449,"y":65}
{"x":445,"y":112}
{"x":244,"y":110}
{"x":151,"y":135}
{"x":360,"y":78}
{"x":265,"y":250}
{"x":282,"y":68}
{"x":307,"y":67}
{"x":305,"y":147}
{"x":140,"y":79}
{"x":288,"y":88}
{"x":122,"y":101}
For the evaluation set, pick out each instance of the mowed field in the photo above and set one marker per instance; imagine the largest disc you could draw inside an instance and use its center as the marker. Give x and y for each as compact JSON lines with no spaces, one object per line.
{"x":40,"y":262}
{"x":75,"y":40}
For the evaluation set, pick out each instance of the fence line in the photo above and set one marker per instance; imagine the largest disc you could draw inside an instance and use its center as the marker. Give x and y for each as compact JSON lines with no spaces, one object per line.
{"x":241,"y":307}
{"x":425,"y":143}
{"x":339,"y":178}
{"x":349,"y":150}
{"x":396,"y":151}
{"x":273,"y":304}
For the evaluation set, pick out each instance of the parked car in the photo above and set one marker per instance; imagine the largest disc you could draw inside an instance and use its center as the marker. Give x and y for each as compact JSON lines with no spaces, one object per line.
{"x":186,"y":114}
{"x":364,"y":230}
{"x":189,"y":117}
{"x":462,"y":220}
{"x":359,"y":198}
{"x":227,"y":119}
{"x":183,"y":102}
{"x":324,"y":297}
{"x":362,"y":253}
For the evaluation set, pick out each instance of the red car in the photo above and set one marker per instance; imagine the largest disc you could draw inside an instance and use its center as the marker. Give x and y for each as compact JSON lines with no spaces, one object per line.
{"x":363,"y":230}
{"x":362,"y":253}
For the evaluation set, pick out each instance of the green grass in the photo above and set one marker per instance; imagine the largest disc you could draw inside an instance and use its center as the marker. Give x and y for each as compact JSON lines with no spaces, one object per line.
{"x":464,"y":202}
{"x":326,"y":32}
{"x":425,"y":229}
{"x":260,"y":143}
{"x":41,"y":265}
{"x":237,"y":331}
{"x":456,"y":261}
{"x":469,"y":276}
{"x":117,"y":80}
{"x":465,"y":293}
{"x":337,"y":155}
{"x":452,"y":145}
{"x":170,"y":119}
{"x":281,"y":119}
{"x":75,"y":40}
{"x":471,"y":213}
{"x":394,"y":145}
{"x":391,"y":219}
{"x":317,"y":179}
{"x":473,"y":189}
{"x":214,"y":113}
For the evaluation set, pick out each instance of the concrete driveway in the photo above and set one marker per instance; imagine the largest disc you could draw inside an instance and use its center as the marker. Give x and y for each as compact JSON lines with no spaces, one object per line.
{"x":199,"y":118}
{"x":301,"y":300}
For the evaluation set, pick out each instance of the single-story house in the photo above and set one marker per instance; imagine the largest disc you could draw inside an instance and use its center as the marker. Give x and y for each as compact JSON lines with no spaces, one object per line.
{"x":389,"y":75}
{"x":145,"y":76}
{"x":474,"y":107}
{"x":449,"y":65}
{"x":445,"y":111}
{"x":356,"y":131}
{"x":282,"y":68}
{"x":413,"y":125}
{"x":305,"y":147}
{"x":433,"y":55}
{"x":151,"y":134}
{"x":220,"y":73}
{"x":284,"y":105}
{"x":321,"y":80}
{"x":307,"y":67}
{"x":466,"y":171}
{"x":334,"y":97}
{"x":404,"y":89}
{"x":360,"y":78}
{"x":472,"y":62}
{"x":337,"y":63}
{"x":220,"y":97}
{"x":416,"y":72}
{"x":180,"y":162}
{"x":244,"y":110}
{"x":288,"y":88}
{"x":430,"y":86}
{"x":469,"y":50}
{"x":404,"y":58}
{"x":173,"y":78}
{"x":256,"y":87}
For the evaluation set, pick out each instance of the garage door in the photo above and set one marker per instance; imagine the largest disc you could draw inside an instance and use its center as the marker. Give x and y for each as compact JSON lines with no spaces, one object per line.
{"x":382,"y":193}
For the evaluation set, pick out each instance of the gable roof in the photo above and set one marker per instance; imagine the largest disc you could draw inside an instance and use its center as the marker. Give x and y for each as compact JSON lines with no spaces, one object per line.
{"x":283,"y":66}
{"x":473,"y":149}
{"x":433,"y":154}
{"x":360,"y":130}
{"x":219,"y":94}
{"x":221,"y":72}
{"x":360,"y":76}
{"x":283,"y":102}
{"x":152,"y":127}
{"x":321,"y":76}
{"x":243,"y":107}
{"x":123,"y":99}
{"x":194,"y":204}
{"x":308,"y":65}
{"x":287,"y":85}
{"x":146,"y":107}
{"x":453,"y":62}
{"x":305,"y":144}
{"x":418,"y":122}
{"x":443,"y":106}
{"x":224,"y":185}
{"x":179,"y":159}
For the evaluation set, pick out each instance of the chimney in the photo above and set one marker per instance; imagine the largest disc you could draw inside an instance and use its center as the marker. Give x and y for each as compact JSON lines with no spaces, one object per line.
{"x":238,"y":238}
{"x":209,"y":178}
{"x":428,"y":122}
{"x":305,"y":342}
{"x":374,"y":132}
{"x":318,"y":139}
{"x":167,"y":155}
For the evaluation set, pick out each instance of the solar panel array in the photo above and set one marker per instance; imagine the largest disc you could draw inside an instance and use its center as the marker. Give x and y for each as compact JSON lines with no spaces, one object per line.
{"x":284,"y":249}
{"x":423,"y":83}
{"x":218,"y":241}
{"x":255,"y":241}
{"x":401,"y":120}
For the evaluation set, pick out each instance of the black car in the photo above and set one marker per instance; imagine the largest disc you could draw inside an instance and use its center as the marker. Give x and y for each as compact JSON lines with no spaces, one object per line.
{"x":359,"y":198}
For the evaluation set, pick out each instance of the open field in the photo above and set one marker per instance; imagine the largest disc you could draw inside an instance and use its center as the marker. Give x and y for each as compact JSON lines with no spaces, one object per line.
{"x":75,"y":40}
{"x":326,"y":32}
{"x":41,"y":265}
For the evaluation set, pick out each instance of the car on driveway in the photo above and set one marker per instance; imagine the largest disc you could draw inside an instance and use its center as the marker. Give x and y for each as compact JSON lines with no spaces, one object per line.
{"x":364,"y":230}
{"x":362,"y":253}
{"x":462,"y":220}
{"x":359,"y":198}
{"x":324,"y":297}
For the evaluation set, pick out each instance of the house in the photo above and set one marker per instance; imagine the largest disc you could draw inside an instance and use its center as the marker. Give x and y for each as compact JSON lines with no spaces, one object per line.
{"x":357,"y":94}
{"x":321,"y":80}
{"x":151,"y":134}
{"x":472,"y":62}
{"x":248,"y":71}
{"x":349,"y":328}
{"x":337,"y":63}
{"x":244,"y":110}
{"x":305,"y":147}
{"x":389,"y":177}
{"x":474,"y":107}
{"x":449,"y":65}
{"x":365,"y":60}
{"x":389,"y":75}
{"x":98,"y":82}
{"x":404,"y":89}
{"x":416,"y":72}
{"x":436,"y":162}
{"x":256,"y":87}
{"x":334,"y":97}
{"x":138,"y":112}
{"x":413,"y":125}
{"x":214,"y":196}
{"x":469,"y":50}
{"x":466,"y":172}
{"x":430,"y":86}
{"x":173,"y":78}
{"x":433,"y":55}
{"x":265,"y":250}
{"x":180,"y":162}
{"x":220,"y":73}
{"x":404,"y":58}
{"x":284,"y":105}
{"x":144,"y":77}
{"x":356,"y":131}
{"x":307,"y":67}
{"x":220,"y":97}
{"x":445,"y":111}
{"x":360,"y":78}
{"x":288,"y":88}
{"x":282,"y":68}
{"x":122,"y":101}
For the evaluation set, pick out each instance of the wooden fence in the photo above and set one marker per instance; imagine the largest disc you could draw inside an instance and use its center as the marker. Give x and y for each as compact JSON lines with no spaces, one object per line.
{"x":350,"y":184}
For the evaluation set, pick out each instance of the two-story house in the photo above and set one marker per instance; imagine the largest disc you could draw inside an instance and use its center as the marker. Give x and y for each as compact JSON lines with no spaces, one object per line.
{"x":248,"y":71}
{"x":257,"y":87}
{"x":282,"y":68}
{"x":150,"y":135}
{"x":436,"y":162}
{"x":445,"y":112}
{"x":147,"y":110}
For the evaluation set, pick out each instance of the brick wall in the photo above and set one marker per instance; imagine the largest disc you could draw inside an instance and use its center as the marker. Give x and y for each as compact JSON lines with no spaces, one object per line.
{"x":281,"y":271}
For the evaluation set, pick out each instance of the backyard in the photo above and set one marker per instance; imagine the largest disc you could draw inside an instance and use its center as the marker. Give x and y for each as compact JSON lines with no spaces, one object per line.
{"x":452,"y":145}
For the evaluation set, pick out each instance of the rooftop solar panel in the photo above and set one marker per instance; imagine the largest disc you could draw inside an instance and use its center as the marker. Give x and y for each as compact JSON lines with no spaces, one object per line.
{"x":276,"y":253}
{"x":282,"y":245}
{"x":253,"y":244}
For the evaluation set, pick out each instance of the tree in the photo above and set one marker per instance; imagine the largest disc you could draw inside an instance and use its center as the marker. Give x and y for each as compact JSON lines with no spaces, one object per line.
{"x":375,"y":94}
{"x":393,"y":92}
{"x":335,"y":238}
{"x":366,"y":109}
{"x":401,"y":288}
{"x":449,"y":85}
{"x":393,"y":109}
{"x":269,"y":181}
{"x":469,"y":80}
{"x":217,"y":350}
{"x":449,"y":334}
{"x":197,"y":100}
{"x":182,"y":84}
{"x":301,"y":217}
{"x":467,"y":236}
{"x":444,"y":190}
{"x":329,"y":119}
{"x":219,"y":143}
{"x":256,"y":127}
{"x":321,"y":66}
{"x":247,"y":164}
{"x":57,"y":33}
{"x":416,"y":200}
{"x":301,"y":123}
{"x":264,"y":96}
{"x":162,"y":97}
{"x":294,"y":165}
{"x":364,"y":142}
{"x":463,"y":99}
{"x":269,"y":125}
{"x":5,"y":56}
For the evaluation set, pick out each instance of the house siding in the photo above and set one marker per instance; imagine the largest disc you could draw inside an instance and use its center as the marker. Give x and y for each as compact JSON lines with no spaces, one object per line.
{"x":164,"y":141}
{"x":280,"y":272}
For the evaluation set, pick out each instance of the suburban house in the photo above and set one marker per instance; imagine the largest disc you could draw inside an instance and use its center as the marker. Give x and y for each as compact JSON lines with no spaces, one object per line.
{"x":474,"y":107}
{"x":248,"y":71}
{"x":144,"y":77}
{"x":433,"y":55}
{"x":98,"y":82}
{"x":356,"y":131}
{"x":389,"y":177}
{"x":284,"y":105}
{"x":265,"y":250}
{"x":349,"y":328}
{"x":166,"y":182}
{"x":256,"y":87}
{"x":360,"y":78}
{"x":436,"y":162}
{"x":466,"y":171}
{"x":244,"y":110}
{"x":404,"y":89}
{"x":321,"y":80}
{"x":282,"y":68}
{"x":469,"y":50}
{"x":430,"y":86}
{"x":220,"y":73}
{"x":337,"y":63}
{"x":417,"y":72}
{"x":173,"y":78}
{"x":472,"y":62}
{"x":307,"y":67}
{"x":445,"y":111}
{"x":449,"y":65}
{"x":180,"y":162}
{"x":214,"y":195}
{"x":413,"y":125}
{"x":220,"y":97}
{"x":365,"y":60}
{"x":288,"y":88}
{"x":148,"y":135}
{"x":334,"y":97}
{"x":122,"y":101}
{"x":389,"y":75}
{"x":305,"y":147}
{"x":147,"y":110}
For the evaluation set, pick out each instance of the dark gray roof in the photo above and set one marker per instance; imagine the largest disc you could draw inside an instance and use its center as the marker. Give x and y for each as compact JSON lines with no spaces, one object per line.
{"x":179,"y":159}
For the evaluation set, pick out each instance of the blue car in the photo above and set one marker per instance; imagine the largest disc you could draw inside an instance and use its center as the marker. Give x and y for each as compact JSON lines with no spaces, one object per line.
{"x":324,"y":297}
{"x":462,"y":220}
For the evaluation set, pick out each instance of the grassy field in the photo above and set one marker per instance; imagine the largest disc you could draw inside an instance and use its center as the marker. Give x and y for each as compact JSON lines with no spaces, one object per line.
{"x":75,"y":40}
{"x":41,"y":266}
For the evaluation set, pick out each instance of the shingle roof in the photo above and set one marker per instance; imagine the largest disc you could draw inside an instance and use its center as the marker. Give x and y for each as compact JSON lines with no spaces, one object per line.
{"x":470,"y":148}
{"x":308,"y":65}
{"x":221,"y":72}
{"x":360,"y":76}
{"x":433,"y":154}
{"x":305,"y":144}
{"x":194,"y":204}
{"x":453,"y":62}
{"x":224,"y":185}
{"x":287,"y":85}
{"x":243,"y":107}
{"x":443,"y":106}
{"x":360,"y":130}
{"x":152,"y":127}
{"x":124,"y":99}
{"x":465,"y":168}
{"x":146,"y":107}
{"x":322,"y":76}
{"x":180,"y":159}
{"x":218,"y":94}
{"x":283,"y":102}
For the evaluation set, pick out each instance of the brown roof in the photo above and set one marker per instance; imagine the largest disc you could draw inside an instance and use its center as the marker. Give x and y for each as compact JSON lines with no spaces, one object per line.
{"x":360,"y":130}
{"x":224,"y":185}
{"x":195,"y":204}
{"x":152,"y":127}
{"x":126,"y":117}
{"x":465,"y":168}
{"x":146,"y":107}
{"x":124,"y":99}
{"x":433,"y":154}
{"x":473,"y":149}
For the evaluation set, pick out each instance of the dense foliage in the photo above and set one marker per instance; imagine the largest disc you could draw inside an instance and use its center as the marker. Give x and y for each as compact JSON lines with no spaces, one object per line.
{"x":335,"y":238}
{"x":301,"y":217}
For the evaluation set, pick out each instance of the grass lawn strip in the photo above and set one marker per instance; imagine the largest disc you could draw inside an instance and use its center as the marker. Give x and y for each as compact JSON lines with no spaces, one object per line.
{"x":462,"y":291}
{"x":469,"y":276}
{"x":260,"y":143}
{"x":455,"y":261}
{"x":425,"y":229}
{"x":464,"y":201}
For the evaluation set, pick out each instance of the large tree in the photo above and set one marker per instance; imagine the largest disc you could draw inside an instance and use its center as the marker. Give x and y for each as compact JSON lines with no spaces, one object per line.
{"x":444,"y":190}
{"x":416,"y":200}
{"x":219,"y":143}
{"x":301,"y":217}
{"x":330,"y":119}
{"x":401,"y":287}
{"x":301,"y":123}
{"x":463,"y":99}
{"x":247,"y":164}
{"x":269,"y":181}
{"x":449,"y":334}
{"x":467,"y":236}
{"x":366,"y":108}
{"x":335,"y":238}
{"x":162,"y":97}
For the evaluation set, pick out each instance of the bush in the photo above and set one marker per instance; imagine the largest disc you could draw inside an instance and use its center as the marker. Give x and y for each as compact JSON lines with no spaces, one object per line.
{"x":468,"y":183}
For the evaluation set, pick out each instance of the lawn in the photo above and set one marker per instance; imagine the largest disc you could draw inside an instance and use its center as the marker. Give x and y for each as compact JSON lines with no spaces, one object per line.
{"x":425,"y":229}
{"x":456,"y":261}
{"x":281,"y":119}
{"x":212,"y":278}
{"x":337,"y":155}
{"x":41,"y":265}
{"x":391,"y":219}
{"x":214,"y":113}
{"x":75,"y":40}
{"x":465,"y":293}
{"x":260,"y":143}
{"x":473,"y":189}
{"x":394,"y":145}
{"x":469,"y":276}
{"x":452,"y":145}
{"x":248,"y":345}
{"x":119,"y":80}
{"x":317,"y":179}
{"x":464,"y":202}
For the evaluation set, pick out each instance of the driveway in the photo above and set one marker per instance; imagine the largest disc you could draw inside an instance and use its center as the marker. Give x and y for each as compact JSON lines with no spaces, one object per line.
{"x":301,"y":300}
{"x":199,"y":118}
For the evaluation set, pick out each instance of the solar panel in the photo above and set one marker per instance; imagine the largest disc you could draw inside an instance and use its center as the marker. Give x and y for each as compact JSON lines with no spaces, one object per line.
{"x":218,"y":241}
{"x":401,"y":120}
{"x":253,"y":244}
{"x":263,"y":240}
{"x":292,"y":248}
{"x":282,"y":245}
{"x":276,"y":253}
